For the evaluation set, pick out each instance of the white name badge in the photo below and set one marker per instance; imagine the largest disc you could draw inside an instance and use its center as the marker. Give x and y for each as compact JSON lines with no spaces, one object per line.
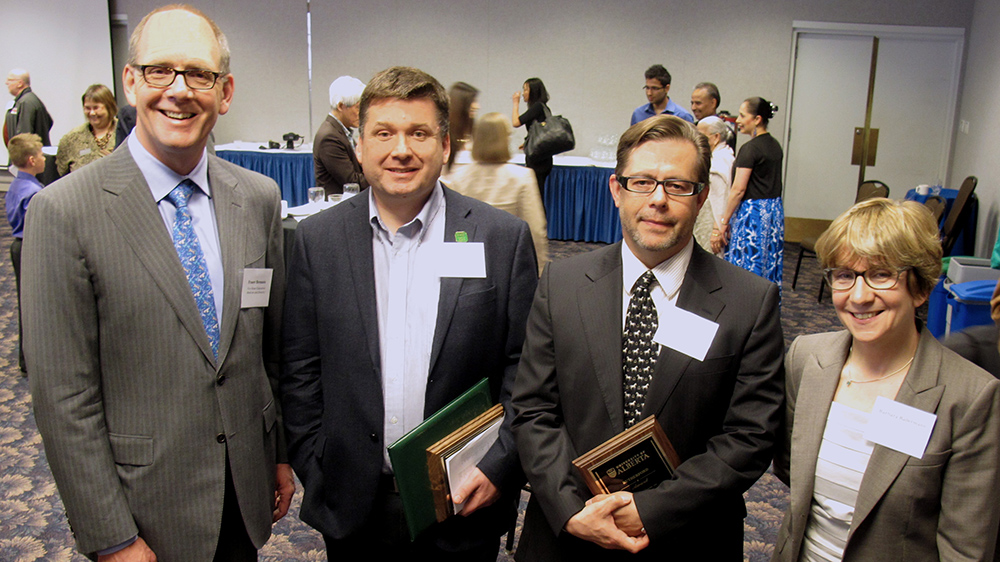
{"x":9,"y":106}
{"x":900,"y":427}
{"x":84,"y":151}
{"x":685,"y":331}
{"x":460,"y":259}
{"x":256,"y":287}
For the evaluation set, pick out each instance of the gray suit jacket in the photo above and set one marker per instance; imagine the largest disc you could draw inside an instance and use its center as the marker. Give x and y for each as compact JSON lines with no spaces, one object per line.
{"x":721,"y":414}
{"x":136,"y":414}
{"x":334,"y":159}
{"x":331,"y":385}
{"x":942,"y":506}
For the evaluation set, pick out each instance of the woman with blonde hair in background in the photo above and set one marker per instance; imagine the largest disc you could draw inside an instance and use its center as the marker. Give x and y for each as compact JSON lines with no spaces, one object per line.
{"x":505,"y":186}
{"x":95,"y":138}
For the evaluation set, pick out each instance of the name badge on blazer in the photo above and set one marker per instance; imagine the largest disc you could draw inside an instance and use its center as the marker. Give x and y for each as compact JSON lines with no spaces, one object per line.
{"x":256,"y":287}
{"x":460,"y":259}
{"x":685,"y":331}
{"x":900,"y":427}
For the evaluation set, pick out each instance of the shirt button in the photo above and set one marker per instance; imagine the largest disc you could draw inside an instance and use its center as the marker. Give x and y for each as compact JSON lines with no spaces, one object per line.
{"x":373,"y":437}
{"x":221,"y":380}
{"x":221,"y":438}
{"x":393,"y":420}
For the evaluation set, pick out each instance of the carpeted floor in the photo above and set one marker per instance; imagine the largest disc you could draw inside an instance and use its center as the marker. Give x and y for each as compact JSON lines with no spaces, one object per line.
{"x":33,"y":525}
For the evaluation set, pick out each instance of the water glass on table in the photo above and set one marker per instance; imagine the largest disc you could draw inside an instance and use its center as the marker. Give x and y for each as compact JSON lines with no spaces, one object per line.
{"x":317,"y":194}
{"x":351,"y":189}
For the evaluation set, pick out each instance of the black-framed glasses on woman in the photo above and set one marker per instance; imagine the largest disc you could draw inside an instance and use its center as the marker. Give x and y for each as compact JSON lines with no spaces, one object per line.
{"x":646,"y":185}
{"x":878,"y":278}
{"x":164,"y":76}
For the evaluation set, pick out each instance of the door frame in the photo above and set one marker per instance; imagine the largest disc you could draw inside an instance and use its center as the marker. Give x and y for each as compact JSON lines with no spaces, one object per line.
{"x":955,"y":34}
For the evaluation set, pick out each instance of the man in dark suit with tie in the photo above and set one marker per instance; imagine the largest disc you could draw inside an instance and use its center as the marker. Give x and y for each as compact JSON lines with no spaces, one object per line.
{"x":333,"y":148}
{"x":151,"y":362}
{"x":627,"y":332}
{"x":423,"y":293}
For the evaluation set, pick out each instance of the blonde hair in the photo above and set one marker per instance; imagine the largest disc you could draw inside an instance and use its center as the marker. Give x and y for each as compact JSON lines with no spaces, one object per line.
{"x":23,"y":146}
{"x":889,"y":233}
{"x":491,"y":139}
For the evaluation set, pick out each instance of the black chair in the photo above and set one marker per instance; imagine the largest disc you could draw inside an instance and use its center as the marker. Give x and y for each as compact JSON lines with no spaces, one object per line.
{"x":936,"y":205}
{"x":959,"y":215}
{"x":807,"y":247}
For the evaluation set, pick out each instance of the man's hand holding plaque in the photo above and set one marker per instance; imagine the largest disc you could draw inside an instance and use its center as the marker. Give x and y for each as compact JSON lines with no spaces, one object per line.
{"x":597,"y":523}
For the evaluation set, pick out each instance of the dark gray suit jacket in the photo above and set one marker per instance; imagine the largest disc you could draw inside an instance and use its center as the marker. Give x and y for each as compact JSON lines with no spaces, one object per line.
{"x":136,"y":414}
{"x":942,"y":506}
{"x":331,"y":385}
{"x":721,"y":414}
{"x":334,"y":159}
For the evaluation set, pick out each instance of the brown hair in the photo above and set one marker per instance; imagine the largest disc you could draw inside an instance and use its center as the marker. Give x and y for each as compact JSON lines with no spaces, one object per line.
{"x":102,"y":95}
{"x":664,"y":127}
{"x":461,"y":97}
{"x":133,"y":42}
{"x":23,"y":146}
{"x":885,"y":232}
{"x":491,"y":139}
{"x":405,"y":83}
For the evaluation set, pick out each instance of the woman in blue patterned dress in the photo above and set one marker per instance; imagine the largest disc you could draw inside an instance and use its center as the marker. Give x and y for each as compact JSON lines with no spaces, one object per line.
{"x":753,"y":223}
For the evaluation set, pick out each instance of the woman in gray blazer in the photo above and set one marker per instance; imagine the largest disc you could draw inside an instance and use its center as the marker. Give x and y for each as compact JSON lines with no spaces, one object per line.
{"x":892,"y":443}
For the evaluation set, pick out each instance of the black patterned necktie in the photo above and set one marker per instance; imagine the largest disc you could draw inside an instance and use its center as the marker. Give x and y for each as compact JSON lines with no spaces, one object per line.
{"x":638,"y":349}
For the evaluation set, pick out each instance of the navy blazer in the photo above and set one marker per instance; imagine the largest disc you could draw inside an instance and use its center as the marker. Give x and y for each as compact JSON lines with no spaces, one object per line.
{"x":331,"y":381}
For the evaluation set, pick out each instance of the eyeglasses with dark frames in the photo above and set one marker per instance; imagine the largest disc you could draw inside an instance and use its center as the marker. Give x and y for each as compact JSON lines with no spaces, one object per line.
{"x":164,"y":76}
{"x":878,"y":278}
{"x":646,"y":185}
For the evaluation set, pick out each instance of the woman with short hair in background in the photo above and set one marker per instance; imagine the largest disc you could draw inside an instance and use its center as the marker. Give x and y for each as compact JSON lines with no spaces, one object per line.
{"x":509,"y":187}
{"x":94,"y":139}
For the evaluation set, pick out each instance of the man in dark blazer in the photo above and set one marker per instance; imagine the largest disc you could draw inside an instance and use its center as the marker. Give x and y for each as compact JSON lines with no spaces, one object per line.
{"x":719,"y":408}
{"x":155,"y":405}
{"x":333,"y":150}
{"x":387,"y":325}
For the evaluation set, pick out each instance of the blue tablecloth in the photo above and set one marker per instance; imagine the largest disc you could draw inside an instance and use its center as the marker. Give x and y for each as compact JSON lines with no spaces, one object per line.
{"x":579,"y":206}
{"x":965,"y":244}
{"x":292,"y":170}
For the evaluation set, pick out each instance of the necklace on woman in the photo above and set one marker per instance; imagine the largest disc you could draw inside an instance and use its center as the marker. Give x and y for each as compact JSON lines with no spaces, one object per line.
{"x":851,"y":380}
{"x":102,"y":142}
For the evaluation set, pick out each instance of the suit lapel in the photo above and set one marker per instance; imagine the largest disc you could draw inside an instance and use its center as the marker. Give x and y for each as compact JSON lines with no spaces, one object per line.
{"x":920,"y":390}
{"x":357,"y":235}
{"x":132,"y":210}
{"x":695,"y":296}
{"x":820,"y":377}
{"x":458,"y":217}
{"x":230,"y":220}
{"x":598,"y":302}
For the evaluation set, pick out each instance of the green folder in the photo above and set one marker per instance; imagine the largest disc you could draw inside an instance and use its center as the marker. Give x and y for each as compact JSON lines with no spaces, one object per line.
{"x":408,"y":454}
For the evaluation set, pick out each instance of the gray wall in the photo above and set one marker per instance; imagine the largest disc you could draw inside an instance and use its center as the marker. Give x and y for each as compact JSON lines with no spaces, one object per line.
{"x":590,"y":54}
{"x":976,"y":152}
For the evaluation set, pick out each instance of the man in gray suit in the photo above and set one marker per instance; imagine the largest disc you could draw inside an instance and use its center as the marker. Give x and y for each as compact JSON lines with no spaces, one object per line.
{"x":153,"y":291}
{"x":654,"y":326}
{"x":425,"y":293}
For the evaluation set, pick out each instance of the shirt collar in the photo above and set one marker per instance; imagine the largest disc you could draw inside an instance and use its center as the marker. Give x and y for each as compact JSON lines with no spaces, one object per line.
{"x":159,"y":177}
{"x":669,"y":273}
{"x":423,"y":218}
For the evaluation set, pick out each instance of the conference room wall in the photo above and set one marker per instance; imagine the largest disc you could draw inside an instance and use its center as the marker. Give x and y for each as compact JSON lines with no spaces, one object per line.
{"x":64,"y":50}
{"x":976,"y":151}
{"x":590,"y":54}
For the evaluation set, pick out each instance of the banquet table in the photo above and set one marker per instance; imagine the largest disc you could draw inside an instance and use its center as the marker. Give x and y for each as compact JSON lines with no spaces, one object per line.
{"x":291,"y":169}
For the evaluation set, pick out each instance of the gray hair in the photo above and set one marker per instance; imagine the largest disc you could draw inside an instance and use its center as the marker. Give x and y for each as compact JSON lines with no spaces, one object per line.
{"x":346,"y":90}
{"x":717,"y":126}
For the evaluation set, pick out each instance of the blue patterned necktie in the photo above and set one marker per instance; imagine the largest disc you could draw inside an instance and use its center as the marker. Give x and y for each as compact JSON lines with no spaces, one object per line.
{"x":638,"y":349}
{"x":193,"y":260}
